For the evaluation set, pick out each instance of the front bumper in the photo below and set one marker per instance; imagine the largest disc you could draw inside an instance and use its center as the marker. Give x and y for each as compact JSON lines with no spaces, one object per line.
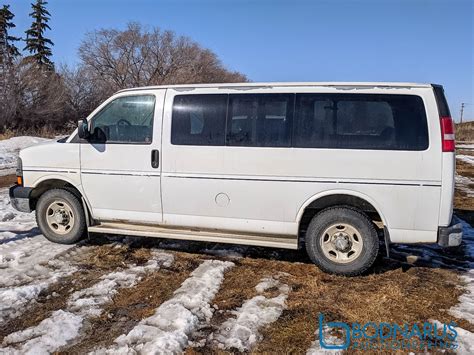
{"x":20,"y":198}
{"x":450,"y":236}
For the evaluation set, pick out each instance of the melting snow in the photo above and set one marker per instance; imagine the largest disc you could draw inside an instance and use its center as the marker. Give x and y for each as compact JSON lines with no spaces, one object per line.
{"x":465,"y":308}
{"x":9,"y":149}
{"x":27,"y":260}
{"x":465,"y":184}
{"x":465,"y":158}
{"x":464,"y":339}
{"x":176,"y":319}
{"x":46,"y":337}
{"x":63,"y":326}
{"x":88,"y":302}
{"x":241,"y":332}
{"x":328,"y":339}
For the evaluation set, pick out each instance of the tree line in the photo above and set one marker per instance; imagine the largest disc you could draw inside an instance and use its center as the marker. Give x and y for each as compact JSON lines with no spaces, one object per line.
{"x":37,"y":94}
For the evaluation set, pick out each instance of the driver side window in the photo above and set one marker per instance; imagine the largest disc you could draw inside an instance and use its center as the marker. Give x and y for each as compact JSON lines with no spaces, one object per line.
{"x":127,"y":119}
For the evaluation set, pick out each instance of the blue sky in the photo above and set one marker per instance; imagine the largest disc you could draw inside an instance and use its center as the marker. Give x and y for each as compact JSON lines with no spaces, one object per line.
{"x":332,"y":40}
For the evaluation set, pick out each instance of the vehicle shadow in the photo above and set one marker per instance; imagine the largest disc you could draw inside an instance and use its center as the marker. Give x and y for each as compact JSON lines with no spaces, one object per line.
{"x":18,"y":235}
{"x":404,"y":256}
{"x":432,"y":255}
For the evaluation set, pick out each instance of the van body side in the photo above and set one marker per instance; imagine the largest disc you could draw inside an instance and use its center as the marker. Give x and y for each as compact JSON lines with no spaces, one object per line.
{"x":256,"y":164}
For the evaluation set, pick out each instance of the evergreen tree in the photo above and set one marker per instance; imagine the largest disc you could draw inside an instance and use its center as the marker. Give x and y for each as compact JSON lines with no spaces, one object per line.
{"x":8,"y":50}
{"x":36,"y":43}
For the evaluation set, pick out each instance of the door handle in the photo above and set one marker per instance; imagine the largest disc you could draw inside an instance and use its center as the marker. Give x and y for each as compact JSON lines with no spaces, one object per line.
{"x":155,"y":158}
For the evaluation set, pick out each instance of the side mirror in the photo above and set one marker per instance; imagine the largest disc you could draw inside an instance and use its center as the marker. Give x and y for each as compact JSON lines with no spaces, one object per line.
{"x":83,"y":129}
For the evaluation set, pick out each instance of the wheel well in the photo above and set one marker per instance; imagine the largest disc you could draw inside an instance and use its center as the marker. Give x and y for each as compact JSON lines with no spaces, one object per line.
{"x":338,"y":200}
{"x":51,"y":184}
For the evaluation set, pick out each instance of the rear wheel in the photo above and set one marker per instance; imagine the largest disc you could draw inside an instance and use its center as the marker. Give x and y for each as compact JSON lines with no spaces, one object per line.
{"x":342,"y":240}
{"x":60,"y":216}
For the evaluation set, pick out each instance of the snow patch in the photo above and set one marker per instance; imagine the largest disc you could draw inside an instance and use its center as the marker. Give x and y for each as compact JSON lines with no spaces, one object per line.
{"x":328,"y":338}
{"x":63,"y":326}
{"x":464,"y":339}
{"x":27,"y":260}
{"x":174,"y":321}
{"x":465,"y":308}
{"x":46,"y":337}
{"x":242,"y":332}
{"x":464,"y":184}
{"x":9,"y":149}
{"x":88,"y":302}
{"x":465,"y":158}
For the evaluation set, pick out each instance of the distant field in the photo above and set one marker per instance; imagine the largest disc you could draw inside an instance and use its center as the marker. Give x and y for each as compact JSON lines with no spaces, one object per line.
{"x":465,"y":131}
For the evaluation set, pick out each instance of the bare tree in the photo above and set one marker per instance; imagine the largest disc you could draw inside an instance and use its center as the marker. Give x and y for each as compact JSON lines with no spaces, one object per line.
{"x":41,"y":97}
{"x":139,"y":56}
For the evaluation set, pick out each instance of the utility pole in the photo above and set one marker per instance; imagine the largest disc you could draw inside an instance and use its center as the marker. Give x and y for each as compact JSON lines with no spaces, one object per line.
{"x":462,"y":110}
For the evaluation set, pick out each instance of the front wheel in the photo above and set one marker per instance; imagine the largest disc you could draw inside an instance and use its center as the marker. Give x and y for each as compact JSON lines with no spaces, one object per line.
{"x":342,"y":240}
{"x":60,"y":216}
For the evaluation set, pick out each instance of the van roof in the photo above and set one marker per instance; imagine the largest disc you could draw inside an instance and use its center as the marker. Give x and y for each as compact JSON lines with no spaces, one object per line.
{"x":287,"y":84}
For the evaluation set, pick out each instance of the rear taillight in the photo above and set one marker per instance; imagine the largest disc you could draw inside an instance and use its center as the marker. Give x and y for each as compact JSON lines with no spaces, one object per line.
{"x":447,"y":134}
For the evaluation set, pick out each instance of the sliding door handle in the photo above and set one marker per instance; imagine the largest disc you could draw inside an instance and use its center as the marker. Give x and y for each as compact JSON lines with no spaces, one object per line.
{"x":155,"y":158}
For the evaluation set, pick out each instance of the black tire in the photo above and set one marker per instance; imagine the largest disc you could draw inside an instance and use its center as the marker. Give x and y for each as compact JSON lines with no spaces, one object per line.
{"x":327,"y":219}
{"x":74,"y":207}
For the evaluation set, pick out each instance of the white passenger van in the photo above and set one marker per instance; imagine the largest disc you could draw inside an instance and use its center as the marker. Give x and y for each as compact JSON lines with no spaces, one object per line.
{"x":333,"y":167}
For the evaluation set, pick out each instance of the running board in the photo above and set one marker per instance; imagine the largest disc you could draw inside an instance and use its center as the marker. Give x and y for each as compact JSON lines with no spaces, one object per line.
{"x":285,"y":242}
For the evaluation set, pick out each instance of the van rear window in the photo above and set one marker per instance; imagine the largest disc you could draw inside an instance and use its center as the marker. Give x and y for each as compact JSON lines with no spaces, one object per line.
{"x":360,"y":121}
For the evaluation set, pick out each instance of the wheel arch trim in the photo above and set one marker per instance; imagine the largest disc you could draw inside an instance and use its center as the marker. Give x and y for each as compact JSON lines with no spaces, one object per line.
{"x":67,"y":180}
{"x":351,"y":193}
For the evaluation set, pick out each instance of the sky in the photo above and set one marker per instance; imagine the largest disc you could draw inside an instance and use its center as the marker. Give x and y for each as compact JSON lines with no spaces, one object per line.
{"x":429,"y":41}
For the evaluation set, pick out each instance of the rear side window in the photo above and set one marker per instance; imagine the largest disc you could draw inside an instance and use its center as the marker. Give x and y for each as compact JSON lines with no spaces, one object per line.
{"x":360,"y":121}
{"x":260,"y":120}
{"x":199,"y":120}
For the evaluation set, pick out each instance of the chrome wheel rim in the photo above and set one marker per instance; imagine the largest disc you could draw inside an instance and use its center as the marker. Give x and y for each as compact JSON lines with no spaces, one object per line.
{"x":341,"y":243}
{"x":60,"y":217}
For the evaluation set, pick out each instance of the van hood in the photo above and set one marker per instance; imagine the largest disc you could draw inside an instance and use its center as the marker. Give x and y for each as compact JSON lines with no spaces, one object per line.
{"x":51,"y":155}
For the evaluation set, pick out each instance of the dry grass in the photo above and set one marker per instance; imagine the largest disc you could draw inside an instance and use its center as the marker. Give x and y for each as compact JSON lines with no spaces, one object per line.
{"x":45,"y":132}
{"x":397,"y":295}
{"x":129,"y":306}
{"x":461,"y":200}
{"x":7,"y":180}
{"x":465,"y":131}
{"x":7,"y":134}
{"x":92,"y":265}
